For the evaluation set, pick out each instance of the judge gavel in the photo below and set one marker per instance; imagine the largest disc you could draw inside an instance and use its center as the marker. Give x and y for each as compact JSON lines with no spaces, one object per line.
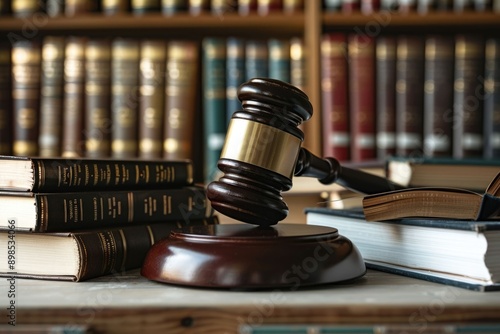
{"x":262,"y":153}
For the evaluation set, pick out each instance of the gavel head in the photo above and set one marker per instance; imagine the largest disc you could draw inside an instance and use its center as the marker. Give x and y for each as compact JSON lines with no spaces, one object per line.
{"x":260,"y":152}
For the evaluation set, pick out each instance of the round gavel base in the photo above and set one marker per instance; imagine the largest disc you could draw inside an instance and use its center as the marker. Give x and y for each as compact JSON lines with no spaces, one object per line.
{"x":244,"y":256}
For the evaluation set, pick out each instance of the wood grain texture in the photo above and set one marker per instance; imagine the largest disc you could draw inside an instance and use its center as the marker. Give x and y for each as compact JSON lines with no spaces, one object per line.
{"x":128,"y":303}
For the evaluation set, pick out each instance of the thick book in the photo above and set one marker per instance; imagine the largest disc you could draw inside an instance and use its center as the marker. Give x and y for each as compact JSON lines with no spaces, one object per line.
{"x":468,"y":96}
{"x":214,"y":103}
{"x":98,"y":123}
{"x":25,"y":8}
{"x":125,"y":54}
{"x":197,"y":7}
{"x":26,"y":63}
{"x":152,"y":97}
{"x":5,"y":99}
{"x":141,"y":7}
{"x":409,"y":94}
{"x":471,"y":174}
{"x":435,"y":202}
{"x":83,"y":255}
{"x":66,"y":175}
{"x":256,"y":59}
{"x":74,"y":97}
{"x":72,"y":211}
{"x":235,"y":74}
{"x":334,"y":96}
{"x":114,"y":7}
{"x":181,"y":105}
{"x":172,"y":7}
{"x":279,"y":59}
{"x":385,"y":91}
{"x":492,"y":99}
{"x":51,"y":96}
{"x":361,"y":85}
{"x":453,"y":252}
{"x":438,"y":96}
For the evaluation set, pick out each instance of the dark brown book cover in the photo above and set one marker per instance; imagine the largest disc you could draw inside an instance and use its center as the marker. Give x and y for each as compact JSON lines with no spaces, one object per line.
{"x":265,"y":7}
{"x":26,"y":62}
{"x":97,"y":98}
{"x":152,"y":98}
{"x":76,"y":7}
{"x":113,"y":7}
{"x":24,"y":8}
{"x":361,"y":72}
{"x":5,"y":99}
{"x":145,"y":6}
{"x":468,"y":91}
{"x":83,"y":174}
{"x":409,"y":95}
{"x":492,"y":99}
{"x":246,"y":7}
{"x":181,"y":91}
{"x":197,"y":7}
{"x":438,"y":96}
{"x":4,"y":7}
{"x":335,"y":108}
{"x":386,"y":96}
{"x":74,"y":97}
{"x":51,"y":96}
{"x":59,"y":211}
{"x":125,"y":55}
{"x":98,"y":251}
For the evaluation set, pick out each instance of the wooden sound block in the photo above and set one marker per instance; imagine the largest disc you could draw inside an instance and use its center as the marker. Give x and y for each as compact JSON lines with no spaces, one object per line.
{"x":244,"y":256}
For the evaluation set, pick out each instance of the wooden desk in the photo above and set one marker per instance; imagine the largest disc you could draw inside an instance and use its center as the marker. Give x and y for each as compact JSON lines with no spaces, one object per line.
{"x":132,"y":304}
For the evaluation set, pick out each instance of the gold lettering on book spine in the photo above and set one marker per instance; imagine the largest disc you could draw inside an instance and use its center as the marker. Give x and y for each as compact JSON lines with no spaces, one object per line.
{"x":130,"y":199}
{"x":43,"y":213}
{"x":151,"y":235}
{"x":125,"y":250}
{"x":82,"y":249}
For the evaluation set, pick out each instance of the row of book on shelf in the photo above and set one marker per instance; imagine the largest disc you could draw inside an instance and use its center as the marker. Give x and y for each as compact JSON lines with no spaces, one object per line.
{"x":79,"y":219}
{"x":242,"y":7}
{"x":410,"y":95}
{"x":125,"y":98}
{"x":112,"y":7}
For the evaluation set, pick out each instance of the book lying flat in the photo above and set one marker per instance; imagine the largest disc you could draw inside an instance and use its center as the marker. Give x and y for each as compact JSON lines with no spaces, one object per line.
{"x":455,"y":252}
{"x":56,"y":212}
{"x":84,"y":174}
{"x":83,"y":255}
{"x":471,"y":174}
{"x":435,"y":202}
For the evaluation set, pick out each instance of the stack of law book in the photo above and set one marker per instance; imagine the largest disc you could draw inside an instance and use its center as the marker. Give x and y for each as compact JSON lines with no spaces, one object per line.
{"x":444,"y":235}
{"x":79,"y":219}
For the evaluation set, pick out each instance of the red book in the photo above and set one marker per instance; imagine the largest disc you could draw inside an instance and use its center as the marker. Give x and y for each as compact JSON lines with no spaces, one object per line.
{"x":361,"y":66}
{"x":335,"y":111}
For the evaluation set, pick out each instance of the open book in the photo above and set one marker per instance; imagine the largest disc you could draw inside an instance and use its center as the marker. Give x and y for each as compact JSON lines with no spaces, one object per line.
{"x":435,"y":202}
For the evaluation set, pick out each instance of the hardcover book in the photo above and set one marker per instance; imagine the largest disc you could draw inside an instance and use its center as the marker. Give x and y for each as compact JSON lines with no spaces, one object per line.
{"x":5,"y":99}
{"x":51,"y":96}
{"x":62,"y":212}
{"x":181,"y":105}
{"x":235,"y":74}
{"x":451,"y":203}
{"x":125,"y":56}
{"x":84,"y":174}
{"x":26,"y":63}
{"x":492,"y":99}
{"x":86,"y":254}
{"x":454,"y":252}
{"x":113,"y":7}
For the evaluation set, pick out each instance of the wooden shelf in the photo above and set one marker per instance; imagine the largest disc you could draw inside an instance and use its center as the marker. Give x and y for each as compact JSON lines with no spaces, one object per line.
{"x":396,"y":20}
{"x":292,"y":24}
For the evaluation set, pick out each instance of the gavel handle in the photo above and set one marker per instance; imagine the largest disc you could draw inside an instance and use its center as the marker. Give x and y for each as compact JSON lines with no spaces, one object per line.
{"x":329,"y":170}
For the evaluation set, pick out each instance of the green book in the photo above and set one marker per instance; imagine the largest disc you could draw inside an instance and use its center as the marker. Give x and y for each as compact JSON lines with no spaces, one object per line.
{"x":214,"y":102}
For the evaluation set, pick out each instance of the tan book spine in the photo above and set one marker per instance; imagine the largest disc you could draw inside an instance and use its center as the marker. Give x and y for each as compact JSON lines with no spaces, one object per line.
{"x":125,"y":55}
{"x":74,"y":101}
{"x":196,"y":7}
{"x":51,"y":96}
{"x":26,"y":59}
{"x":113,"y":7}
{"x":23,"y":8}
{"x":181,"y":89}
{"x":145,"y":6}
{"x":97,"y":94}
{"x":77,"y":7}
{"x":152,"y":98}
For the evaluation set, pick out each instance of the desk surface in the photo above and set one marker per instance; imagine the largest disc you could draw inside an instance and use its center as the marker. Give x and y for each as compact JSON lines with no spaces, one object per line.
{"x":128,"y":303}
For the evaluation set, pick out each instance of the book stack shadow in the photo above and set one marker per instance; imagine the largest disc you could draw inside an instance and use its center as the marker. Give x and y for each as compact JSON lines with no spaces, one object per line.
{"x":74,"y":220}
